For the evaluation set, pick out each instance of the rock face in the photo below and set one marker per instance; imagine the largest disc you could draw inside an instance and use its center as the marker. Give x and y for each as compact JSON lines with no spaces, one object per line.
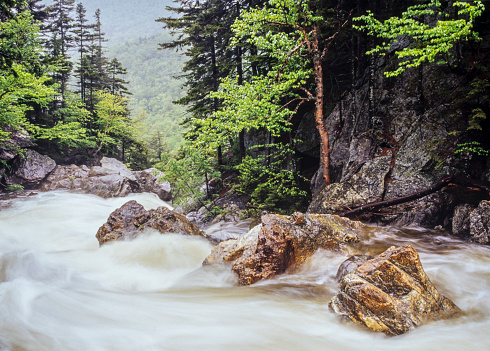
{"x":284,"y":242}
{"x":18,"y":139}
{"x":30,"y":169}
{"x":396,"y":150}
{"x":391,"y":294}
{"x":111,"y":179}
{"x":131,"y":219}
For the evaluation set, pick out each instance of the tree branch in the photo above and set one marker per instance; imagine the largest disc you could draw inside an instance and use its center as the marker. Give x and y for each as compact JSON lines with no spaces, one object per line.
{"x":445,"y":181}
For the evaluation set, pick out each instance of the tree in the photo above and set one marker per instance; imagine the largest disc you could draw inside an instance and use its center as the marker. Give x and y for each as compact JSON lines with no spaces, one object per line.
{"x":82,"y":37}
{"x":59,"y":28}
{"x":24,"y":84}
{"x":112,"y":119}
{"x":430,"y":40}
{"x":289,"y":32}
{"x":204,"y":31}
{"x":115,"y":84}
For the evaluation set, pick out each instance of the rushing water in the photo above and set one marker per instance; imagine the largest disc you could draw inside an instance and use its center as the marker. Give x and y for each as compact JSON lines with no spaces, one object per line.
{"x":60,"y":291}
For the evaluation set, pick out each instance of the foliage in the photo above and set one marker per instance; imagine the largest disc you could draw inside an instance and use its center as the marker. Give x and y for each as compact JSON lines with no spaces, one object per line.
{"x":472,"y":147}
{"x":187,"y":173}
{"x":20,"y":44}
{"x":269,"y":184}
{"x":112,"y":118}
{"x":260,"y":102}
{"x":18,"y":89}
{"x":429,"y":41}
{"x":14,"y":188}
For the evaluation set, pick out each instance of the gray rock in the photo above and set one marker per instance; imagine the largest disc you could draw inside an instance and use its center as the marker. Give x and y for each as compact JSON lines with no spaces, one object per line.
{"x":461,"y":220}
{"x":111,"y":179}
{"x":30,"y":169}
{"x":365,"y":186}
{"x":399,"y":150}
{"x":480,"y":223}
{"x":148,"y":183}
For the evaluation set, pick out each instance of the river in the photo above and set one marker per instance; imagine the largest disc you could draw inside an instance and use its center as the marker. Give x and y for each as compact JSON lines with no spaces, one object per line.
{"x":60,"y":291}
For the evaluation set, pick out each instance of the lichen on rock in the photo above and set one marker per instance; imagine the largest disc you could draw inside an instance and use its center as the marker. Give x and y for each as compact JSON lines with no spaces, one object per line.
{"x":281,"y":243}
{"x":391,"y":293}
{"x":131,"y":219}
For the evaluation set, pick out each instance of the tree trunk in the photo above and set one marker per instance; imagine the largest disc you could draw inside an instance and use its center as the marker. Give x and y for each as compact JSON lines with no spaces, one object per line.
{"x":319,"y":103}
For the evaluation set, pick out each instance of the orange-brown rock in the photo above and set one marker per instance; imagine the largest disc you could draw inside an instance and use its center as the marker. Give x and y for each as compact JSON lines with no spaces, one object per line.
{"x":283,"y":242}
{"x":391,"y":293}
{"x":131,"y":219}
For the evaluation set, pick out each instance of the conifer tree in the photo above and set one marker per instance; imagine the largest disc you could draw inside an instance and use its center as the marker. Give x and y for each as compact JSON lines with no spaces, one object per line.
{"x":115,"y":84}
{"x":59,"y":28}
{"x":82,"y":33}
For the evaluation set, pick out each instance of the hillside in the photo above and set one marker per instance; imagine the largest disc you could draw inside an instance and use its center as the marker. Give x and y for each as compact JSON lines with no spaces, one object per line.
{"x":151,"y":72}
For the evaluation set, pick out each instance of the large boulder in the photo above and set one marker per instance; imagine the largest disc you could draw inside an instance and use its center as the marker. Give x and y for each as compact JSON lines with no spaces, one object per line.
{"x":30,"y":168}
{"x":391,"y":293}
{"x":281,"y":242}
{"x":131,"y":219}
{"x":111,"y":179}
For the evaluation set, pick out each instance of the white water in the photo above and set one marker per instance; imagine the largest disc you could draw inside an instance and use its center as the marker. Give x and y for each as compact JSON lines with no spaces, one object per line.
{"x":60,"y":291}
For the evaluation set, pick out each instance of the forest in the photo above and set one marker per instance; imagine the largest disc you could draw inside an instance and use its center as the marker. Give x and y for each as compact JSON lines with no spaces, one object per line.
{"x":261,"y":81}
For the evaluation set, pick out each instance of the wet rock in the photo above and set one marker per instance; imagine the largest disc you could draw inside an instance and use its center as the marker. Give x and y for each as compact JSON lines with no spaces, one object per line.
{"x":480,"y":223}
{"x":281,"y":243}
{"x":391,"y":294}
{"x":148,"y":183}
{"x":461,"y":220}
{"x":350,"y":265}
{"x":30,"y":169}
{"x":131,"y":219}
{"x":111,"y":179}
{"x":364,"y":187}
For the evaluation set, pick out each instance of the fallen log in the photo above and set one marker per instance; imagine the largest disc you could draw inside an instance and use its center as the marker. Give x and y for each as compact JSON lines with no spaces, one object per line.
{"x":482,"y":187}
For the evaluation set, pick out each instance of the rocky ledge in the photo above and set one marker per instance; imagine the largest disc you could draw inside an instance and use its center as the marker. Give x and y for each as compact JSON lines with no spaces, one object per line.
{"x":111,"y":179}
{"x":281,"y":242}
{"x":390,"y":293}
{"x":132,"y":219}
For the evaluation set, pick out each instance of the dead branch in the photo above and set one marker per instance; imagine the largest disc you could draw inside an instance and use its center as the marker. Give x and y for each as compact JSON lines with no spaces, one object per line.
{"x":445,"y":181}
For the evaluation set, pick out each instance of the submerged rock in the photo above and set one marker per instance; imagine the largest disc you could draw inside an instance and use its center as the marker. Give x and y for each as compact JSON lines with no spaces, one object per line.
{"x":111,"y":179}
{"x":391,"y":293}
{"x":131,"y":219}
{"x":283,"y":242}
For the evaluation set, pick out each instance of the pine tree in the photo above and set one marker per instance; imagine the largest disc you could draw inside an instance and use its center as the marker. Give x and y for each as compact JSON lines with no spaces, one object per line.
{"x":59,"y":29}
{"x":95,"y":67}
{"x":82,"y":33}
{"x":115,"y":84}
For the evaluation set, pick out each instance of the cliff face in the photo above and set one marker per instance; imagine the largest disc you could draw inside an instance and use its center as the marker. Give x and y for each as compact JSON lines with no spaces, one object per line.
{"x":399,"y":140}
